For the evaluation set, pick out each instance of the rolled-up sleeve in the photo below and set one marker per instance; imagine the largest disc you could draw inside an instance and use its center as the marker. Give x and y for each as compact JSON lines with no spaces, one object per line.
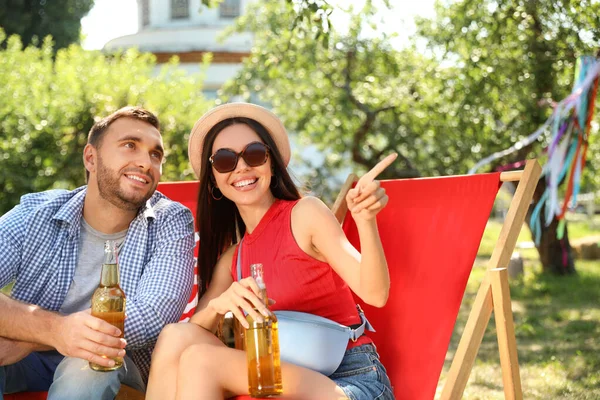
{"x":166,"y":283}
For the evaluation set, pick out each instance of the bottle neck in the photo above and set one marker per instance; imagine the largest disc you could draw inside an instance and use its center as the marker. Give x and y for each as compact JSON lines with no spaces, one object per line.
{"x":264,"y":297}
{"x":110,"y":275}
{"x":256,"y":270}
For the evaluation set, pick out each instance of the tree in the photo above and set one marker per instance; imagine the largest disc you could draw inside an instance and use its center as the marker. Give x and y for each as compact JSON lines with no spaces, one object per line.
{"x":350,"y":95}
{"x":489,"y":78}
{"x":49,"y":103}
{"x":513,"y":59}
{"x":33,"y":20}
{"x":317,"y":12}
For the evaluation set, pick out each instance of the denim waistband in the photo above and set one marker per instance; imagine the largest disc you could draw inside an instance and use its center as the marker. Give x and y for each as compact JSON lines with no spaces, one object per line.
{"x":363,"y":348}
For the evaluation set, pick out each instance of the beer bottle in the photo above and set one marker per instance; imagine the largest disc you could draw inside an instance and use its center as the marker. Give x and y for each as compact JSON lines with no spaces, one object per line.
{"x":108,"y":300}
{"x":262,"y":348}
{"x":238,"y":335}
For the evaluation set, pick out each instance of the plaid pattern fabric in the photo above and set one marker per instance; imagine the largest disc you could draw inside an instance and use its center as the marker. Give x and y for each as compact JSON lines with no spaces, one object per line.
{"x":39,"y":240}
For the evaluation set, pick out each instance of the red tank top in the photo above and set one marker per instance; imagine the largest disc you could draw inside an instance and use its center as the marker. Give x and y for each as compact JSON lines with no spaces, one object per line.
{"x":295,"y":280}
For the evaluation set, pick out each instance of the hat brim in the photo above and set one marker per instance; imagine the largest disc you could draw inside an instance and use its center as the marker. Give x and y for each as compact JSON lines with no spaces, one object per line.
{"x":232,"y":110}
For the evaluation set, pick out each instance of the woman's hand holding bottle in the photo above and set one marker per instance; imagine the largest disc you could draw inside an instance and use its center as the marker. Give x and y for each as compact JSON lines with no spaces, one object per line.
{"x":242,"y":296}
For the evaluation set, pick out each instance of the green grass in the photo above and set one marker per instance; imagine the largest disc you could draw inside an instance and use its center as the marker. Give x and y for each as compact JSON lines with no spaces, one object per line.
{"x":578,"y":227}
{"x":6,"y":289}
{"x":490,"y":236}
{"x":557,"y":321}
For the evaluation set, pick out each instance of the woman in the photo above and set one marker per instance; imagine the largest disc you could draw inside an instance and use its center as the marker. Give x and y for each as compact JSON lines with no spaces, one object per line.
{"x":240,"y":152}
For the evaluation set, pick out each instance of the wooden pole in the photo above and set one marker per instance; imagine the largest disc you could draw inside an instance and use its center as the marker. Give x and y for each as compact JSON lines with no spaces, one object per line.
{"x":340,"y":207}
{"x":479,"y":316}
{"x":505,"y":329}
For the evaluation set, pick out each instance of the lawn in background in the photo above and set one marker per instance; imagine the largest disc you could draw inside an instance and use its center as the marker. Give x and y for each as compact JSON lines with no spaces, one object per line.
{"x":6,"y":289}
{"x":557,"y":321}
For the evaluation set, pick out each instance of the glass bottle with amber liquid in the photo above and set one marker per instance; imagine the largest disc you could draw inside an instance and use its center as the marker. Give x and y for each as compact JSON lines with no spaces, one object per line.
{"x":239,"y":342}
{"x":262,"y":348}
{"x":108,"y":300}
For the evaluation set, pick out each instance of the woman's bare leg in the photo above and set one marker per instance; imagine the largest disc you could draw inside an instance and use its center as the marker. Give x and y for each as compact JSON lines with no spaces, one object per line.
{"x":213,"y":371}
{"x":172,"y":342}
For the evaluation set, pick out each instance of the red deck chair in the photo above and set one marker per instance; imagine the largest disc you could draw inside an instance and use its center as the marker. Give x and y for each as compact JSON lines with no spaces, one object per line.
{"x":431,"y":230}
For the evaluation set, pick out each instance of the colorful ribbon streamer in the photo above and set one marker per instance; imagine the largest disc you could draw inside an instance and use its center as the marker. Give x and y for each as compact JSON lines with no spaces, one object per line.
{"x":569,"y":126}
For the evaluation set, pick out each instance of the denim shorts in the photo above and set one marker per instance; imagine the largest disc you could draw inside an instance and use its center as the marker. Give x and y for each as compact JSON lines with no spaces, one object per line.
{"x":362,"y":376}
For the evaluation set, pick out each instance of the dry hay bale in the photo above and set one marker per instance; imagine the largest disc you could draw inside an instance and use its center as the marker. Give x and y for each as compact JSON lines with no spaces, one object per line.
{"x":587,"y":248}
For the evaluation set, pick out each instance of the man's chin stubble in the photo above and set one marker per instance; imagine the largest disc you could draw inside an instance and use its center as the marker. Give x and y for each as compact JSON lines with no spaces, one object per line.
{"x":119,"y":201}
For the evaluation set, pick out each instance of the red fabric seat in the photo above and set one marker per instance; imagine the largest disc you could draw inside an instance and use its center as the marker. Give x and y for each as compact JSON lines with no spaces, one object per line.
{"x":430,"y":231}
{"x":27,"y":396}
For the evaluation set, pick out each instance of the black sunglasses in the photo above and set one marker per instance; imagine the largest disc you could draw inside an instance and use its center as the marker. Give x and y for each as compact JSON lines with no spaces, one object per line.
{"x":254,"y":154}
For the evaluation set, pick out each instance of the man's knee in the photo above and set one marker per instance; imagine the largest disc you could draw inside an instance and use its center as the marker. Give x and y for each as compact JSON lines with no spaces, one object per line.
{"x":74,"y":379}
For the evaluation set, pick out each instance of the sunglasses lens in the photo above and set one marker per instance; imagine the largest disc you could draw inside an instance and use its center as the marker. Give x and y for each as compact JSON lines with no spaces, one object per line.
{"x":255,"y":154}
{"x":224,"y":160}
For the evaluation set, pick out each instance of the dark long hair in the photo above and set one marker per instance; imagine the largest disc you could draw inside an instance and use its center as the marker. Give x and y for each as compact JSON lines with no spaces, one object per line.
{"x":218,"y":221}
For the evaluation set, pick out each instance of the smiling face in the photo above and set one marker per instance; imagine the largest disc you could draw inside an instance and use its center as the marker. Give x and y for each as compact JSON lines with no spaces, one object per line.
{"x":128,"y":163}
{"x":244,"y":185}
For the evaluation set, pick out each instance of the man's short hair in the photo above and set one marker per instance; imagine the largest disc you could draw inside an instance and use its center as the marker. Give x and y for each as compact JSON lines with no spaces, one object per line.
{"x":99,"y":129}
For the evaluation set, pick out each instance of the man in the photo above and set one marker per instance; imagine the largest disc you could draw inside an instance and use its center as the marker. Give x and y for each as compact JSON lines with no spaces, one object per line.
{"x":52,"y":248}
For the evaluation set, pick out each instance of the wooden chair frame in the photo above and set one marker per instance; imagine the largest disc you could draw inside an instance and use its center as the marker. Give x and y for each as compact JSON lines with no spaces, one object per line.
{"x":493,"y":293}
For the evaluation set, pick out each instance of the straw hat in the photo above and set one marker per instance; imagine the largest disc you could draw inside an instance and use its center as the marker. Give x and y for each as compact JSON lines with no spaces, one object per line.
{"x":231,"y":110}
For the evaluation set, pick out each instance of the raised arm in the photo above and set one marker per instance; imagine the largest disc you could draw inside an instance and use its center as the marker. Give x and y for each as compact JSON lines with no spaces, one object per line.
{"x":319,"y":234}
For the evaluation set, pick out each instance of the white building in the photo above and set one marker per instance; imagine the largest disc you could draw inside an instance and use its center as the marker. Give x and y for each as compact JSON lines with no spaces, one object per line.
{"x":188,"y":29}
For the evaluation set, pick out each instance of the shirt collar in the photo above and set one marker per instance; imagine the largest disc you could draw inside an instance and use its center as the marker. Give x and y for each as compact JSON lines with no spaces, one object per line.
{"x":72,"y":210}
{"x":148,"y":210}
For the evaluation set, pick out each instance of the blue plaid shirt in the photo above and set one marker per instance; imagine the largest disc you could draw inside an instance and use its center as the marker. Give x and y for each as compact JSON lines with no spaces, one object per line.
{"x":39,"y":240}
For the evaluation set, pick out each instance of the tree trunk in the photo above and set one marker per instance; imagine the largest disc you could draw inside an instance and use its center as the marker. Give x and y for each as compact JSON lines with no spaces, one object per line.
{"x":556,"y":255}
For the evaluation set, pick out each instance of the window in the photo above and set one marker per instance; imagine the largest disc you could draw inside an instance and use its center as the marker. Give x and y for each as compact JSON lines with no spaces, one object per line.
{"x":229,"y":9}
{"x":145,"y":12}
{"x":180,"y":9}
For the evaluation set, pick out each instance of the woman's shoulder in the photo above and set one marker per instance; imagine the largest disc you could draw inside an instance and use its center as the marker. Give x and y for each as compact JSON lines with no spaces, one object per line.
{"x":310,"y":203}
{"x":309,"y":208}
